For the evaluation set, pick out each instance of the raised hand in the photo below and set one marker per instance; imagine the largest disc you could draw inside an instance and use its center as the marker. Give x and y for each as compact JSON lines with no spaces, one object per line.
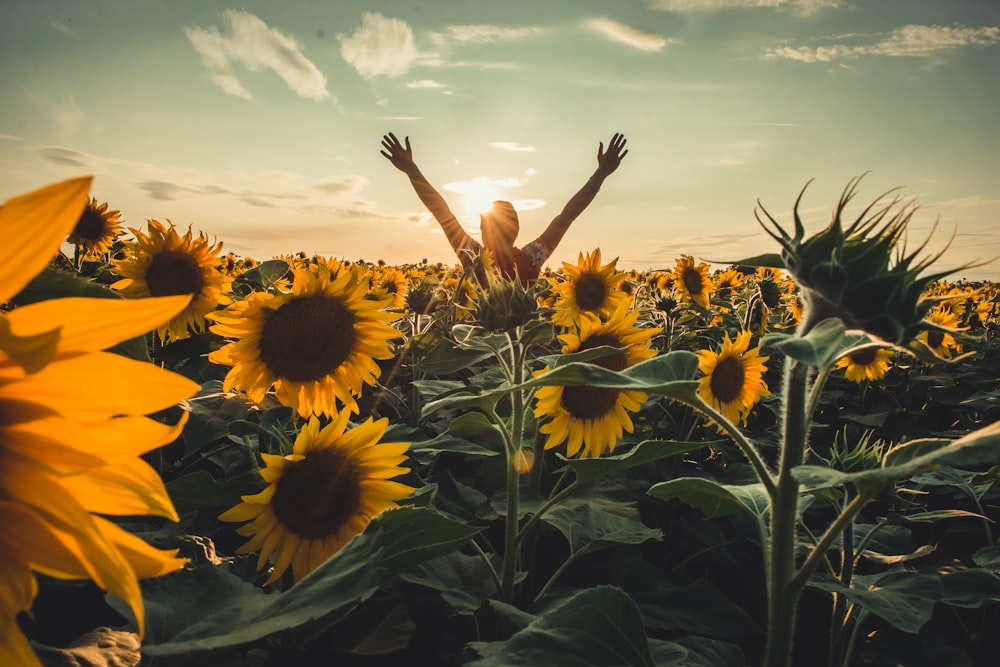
{"x":608,"y":161}
{"x":401,"y":156}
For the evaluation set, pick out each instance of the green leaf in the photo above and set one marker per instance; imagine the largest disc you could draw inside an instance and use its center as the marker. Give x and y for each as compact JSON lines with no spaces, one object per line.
{"x":695,"y":651}
{"x":199,"y":490}
{"x":463,"y":581}
{"x":903,"y":599}
{"x":646,"y":451}
{"x":988,"y":558}
{"x":590,"y":524}
{"x":713,"y":498}
{"x":596,"y":626}
{"x":822,"y":346}
{"x":970,"y":588}
{"x":981,"y":447}
{"x":264,"y":276}
{"x":202,"y":610}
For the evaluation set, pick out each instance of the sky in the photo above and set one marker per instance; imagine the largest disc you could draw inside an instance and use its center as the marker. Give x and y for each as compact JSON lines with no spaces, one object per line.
{"x":260,"y":123}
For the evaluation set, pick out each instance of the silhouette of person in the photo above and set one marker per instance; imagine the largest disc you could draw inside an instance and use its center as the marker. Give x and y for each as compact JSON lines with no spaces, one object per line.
{"x":500,"y":224}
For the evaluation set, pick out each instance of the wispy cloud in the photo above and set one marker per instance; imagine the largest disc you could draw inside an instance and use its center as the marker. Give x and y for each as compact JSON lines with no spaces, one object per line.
{"x":483,"y":33}
{"x":804,"y":7}
{"x":381,"y":46}
{"x":909,"y":41}
{"x":625,"y":34}
{"x":512,"y":146}
{"x":61,"y":27}
{"x":251,"y":42}
{"x":425,"y":84}
{"x":65,"y":156}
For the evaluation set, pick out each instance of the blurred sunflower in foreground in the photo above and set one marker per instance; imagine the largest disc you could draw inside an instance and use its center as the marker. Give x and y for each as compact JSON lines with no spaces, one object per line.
{"x":165,"y":263}
{"x":589,"y":289}
{"x":315,"y":345}
{"x":72,"y":425}
{"x":734,"y":377}
{"x":594,"y":418}
{"x":321,"y":495}
{"x":96,"y":230}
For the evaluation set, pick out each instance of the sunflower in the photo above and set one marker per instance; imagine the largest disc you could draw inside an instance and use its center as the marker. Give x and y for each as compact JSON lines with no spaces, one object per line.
{"x":321,"y":495}
{"x":392,"y":281}
{"x":96,"y":230}
{"x":594,"y":418}
{"x":589,"y":288}
{"x":165,"y":263}
{"x":728,"y":281}
{"x":72,"y":425}
{"x":871,"y":363}
{"x":315,"y":345}
{"x":941,"y":342}
{"x":692,"y":280}
{"x":734,"y":377}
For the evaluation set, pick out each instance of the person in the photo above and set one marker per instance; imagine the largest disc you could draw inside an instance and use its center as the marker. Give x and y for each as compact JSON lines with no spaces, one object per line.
{"x":500,"y":224}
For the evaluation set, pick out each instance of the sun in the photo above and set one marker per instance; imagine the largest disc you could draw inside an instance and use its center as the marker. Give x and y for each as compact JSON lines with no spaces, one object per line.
{"x":478,"y":196}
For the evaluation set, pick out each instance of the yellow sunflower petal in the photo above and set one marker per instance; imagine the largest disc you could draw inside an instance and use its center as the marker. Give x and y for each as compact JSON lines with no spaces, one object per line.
{"x":130,"y":487}
{"x":34,"y":225}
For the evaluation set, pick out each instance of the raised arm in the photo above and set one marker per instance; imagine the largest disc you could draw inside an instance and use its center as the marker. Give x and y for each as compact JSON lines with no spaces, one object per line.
{"x":401,"y":157}
{"x":607,"y":163}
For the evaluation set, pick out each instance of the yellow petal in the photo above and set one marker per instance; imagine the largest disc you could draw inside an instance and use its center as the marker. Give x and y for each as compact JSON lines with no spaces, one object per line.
{"x":93,"y":324}
{"x":114,"y":385}
{"x":146,"y":560}
{"x":131,"y":487}
{"x":33,"y":226}
{"x":31,"y":352}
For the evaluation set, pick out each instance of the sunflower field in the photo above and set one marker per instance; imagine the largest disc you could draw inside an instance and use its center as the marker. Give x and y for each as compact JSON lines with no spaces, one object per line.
{"x":304,"y":460}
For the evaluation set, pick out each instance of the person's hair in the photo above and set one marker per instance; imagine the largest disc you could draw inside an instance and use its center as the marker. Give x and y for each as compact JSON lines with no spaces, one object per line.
{"x":501,"y":221}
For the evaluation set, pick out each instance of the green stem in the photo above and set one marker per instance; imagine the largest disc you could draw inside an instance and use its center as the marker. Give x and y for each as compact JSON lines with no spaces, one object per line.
{"x":782,"y":596}
{"x":537,"y":516}
{"x":745,"y":445}
{"x":486,"y":560}
{"x":513,"y":443}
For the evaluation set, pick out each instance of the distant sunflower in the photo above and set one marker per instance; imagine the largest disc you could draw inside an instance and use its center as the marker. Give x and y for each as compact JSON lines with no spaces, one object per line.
{"x":734,"y":377}
{"x":868,"y":364}
{"x":72,"y":425}
{"x":692,"y":281}
{"x":321,"y":495}
{"x":941,"y":342}
{"x":728,"y":281}
{"x":392,"y":281}
{"x":165,"y":263}
{"x":96,"y":230}
{"x":589,"y":288}
{"x":315,"y":345}
{"x":594,"y":418}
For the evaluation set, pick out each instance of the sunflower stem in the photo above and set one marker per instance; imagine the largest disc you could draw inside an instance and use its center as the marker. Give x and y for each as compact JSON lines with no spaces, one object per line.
{"x":747,"y":447}
{"x":513,"y":445}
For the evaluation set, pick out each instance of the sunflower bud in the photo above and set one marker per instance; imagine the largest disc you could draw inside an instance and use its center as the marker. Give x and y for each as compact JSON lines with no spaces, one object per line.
{"x":866,"y":454}
{"x":861,"y":274}
{"x":505,"y":305}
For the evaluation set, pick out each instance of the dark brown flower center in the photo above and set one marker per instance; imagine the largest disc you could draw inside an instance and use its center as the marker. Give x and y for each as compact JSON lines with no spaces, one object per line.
{"x":90,"y":227}
{"x":307,"y":337}
{"x":935,"y":339}
{"x":590,"y":291}
{"x":314,"y":497}
{"x":727,"y":379}
{"x":691,"y":278}
{"x":863,"y":357}
{"x":584,"y":402}
{"x":174,"y":272}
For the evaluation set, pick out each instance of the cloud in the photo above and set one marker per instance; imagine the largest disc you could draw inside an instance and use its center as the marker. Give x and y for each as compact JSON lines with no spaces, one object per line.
{"x":512,"y":146}
{"x":425,"y":83}
{"x":488,"y":34}
{"x":804,"y":7}
{"x":920,"y":41}
{"x":258,"y":47}
{"x":619,"y":32}
{"x":380,"y":47}
{"x":65,"y":156}
{"x":61,"y":27}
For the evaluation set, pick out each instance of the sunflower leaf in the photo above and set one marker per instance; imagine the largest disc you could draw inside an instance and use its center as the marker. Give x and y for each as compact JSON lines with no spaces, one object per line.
{"x":903,"y":599}
{"x":822,"y":346}
{"x":647,"y":451}
{"x":596,"y":626}
{"x":209,"y":608}
{"x":713,"y":498}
